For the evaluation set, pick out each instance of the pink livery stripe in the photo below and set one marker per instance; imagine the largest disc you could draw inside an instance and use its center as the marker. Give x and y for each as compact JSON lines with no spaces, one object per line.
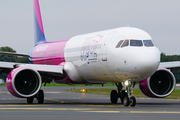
{"x":49,"y":53}
{"x":38,"y":14}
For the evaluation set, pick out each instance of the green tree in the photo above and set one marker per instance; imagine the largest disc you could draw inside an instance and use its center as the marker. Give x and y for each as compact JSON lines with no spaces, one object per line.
{"x":10,"y":58}
{"x":7,"y":58}
{"x":22,"y":60}
{"x":169,"y":58}
{"x":7,"y":49}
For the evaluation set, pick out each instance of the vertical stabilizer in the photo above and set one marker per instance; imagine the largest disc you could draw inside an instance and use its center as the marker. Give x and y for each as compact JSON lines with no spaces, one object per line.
{"x":39,"y":31}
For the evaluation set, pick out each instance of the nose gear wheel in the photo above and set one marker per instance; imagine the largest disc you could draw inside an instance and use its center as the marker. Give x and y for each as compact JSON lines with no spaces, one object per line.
{"x":124,"y":95}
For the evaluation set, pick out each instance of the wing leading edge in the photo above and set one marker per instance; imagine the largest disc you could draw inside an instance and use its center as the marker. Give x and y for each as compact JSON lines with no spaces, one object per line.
{"x":15,"y":54}
{"x":170,"y":65}
{"x":54,"y":70}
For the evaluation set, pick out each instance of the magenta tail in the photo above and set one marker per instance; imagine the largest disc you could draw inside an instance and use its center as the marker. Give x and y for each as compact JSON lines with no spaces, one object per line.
{"x":39,"y":31}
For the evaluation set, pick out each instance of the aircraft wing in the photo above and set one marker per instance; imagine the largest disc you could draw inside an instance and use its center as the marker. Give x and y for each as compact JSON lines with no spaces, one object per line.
{"x":47,"y":72}
{"x":171,"y":65}
{"x":44,"y":70}
{"x":15,"y":54}
{"x":40,"y":68}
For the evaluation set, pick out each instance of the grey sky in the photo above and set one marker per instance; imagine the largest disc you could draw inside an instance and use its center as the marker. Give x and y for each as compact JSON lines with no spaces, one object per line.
{"x":64,"y":19}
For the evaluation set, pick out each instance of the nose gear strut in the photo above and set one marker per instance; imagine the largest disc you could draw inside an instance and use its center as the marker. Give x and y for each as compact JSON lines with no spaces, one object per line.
{"x":124,"y":95}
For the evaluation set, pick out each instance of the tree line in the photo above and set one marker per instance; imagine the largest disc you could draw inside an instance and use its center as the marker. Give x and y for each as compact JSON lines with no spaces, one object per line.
{"x":11,"y":58}
{"x":169,"y":58}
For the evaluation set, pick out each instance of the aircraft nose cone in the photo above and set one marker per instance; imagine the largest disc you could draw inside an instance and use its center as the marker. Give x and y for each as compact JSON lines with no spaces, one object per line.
{"x":146,"y":62}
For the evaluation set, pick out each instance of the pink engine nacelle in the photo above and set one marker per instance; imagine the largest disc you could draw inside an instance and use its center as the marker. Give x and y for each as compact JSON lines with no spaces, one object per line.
{"x":159,"y":85}
{"x":23,"y":82}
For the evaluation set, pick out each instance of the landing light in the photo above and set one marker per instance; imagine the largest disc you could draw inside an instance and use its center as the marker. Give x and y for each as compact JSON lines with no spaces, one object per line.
{"x":83,"y":90}
{"x":126,"y":83}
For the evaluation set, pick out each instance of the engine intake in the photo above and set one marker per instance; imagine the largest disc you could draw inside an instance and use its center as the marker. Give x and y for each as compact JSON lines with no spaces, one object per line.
{"x":23,"y":82}
{"x":159,"y":85}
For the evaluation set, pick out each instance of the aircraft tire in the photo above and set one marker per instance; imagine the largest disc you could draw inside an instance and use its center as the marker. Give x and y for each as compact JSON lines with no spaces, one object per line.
{"x":30,"y":100}
{"x":126,"y":101}
{"x":40,"y":97}
{"x":132,"y":101}
{"x":123,"y":94}
{"x":114,"y":96}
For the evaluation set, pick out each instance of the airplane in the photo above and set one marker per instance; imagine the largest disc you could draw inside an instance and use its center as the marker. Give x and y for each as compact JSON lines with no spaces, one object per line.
{"x":124,"y":56}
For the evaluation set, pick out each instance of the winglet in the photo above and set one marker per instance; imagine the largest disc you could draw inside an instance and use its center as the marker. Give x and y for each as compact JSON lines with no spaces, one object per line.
{"x":39,"y":31}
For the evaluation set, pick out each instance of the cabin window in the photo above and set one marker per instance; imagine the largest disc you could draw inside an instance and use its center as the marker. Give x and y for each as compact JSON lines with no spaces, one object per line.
{"x":119,"y":43}
{"x":148,"y":43}
{"x":136,"y":43}
{"x":126,"y":43}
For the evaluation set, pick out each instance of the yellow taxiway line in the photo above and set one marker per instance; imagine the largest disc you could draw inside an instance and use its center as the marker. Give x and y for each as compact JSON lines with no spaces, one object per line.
{"x":162,"y":112}
{"x":93,"y":110}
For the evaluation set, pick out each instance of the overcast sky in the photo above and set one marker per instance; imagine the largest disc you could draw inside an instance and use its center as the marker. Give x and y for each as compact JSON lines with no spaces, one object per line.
{"x":64,"y":19}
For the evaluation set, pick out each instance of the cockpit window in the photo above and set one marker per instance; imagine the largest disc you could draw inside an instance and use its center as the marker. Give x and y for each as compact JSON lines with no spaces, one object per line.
{"x":136,"y":43}
{"x":119,"y":43}
{"x":148,"y":43}
{"x":126,"y":43}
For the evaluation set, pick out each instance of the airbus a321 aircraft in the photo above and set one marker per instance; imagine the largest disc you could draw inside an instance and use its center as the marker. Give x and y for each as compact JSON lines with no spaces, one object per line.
{"x":123,"y":56}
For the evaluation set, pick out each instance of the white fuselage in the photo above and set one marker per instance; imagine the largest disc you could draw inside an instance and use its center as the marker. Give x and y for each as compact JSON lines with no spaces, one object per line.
{"x":97,"y":59}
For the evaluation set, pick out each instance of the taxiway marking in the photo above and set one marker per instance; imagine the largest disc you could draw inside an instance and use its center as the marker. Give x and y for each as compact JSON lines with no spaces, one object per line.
{"x":103,"y":105}
{"x":55,"y":100}
{"x":72,"y":109}
{"x":93,"y":110}
{"x":22,"y":105}
{"x":53,"y":92}
{"x":136,"y":112}
{"x":4,"y":92}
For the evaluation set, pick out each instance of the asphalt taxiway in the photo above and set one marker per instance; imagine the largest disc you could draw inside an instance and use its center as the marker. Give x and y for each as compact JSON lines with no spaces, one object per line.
{"x":60,"y":104}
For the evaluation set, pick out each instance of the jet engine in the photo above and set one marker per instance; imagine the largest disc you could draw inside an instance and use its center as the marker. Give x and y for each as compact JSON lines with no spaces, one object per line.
{"x":23,"y":82}
{"x":159,"y":85}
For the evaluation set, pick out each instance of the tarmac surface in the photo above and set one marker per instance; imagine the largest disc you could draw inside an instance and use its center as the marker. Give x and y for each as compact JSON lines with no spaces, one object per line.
{"x":62,"y":105}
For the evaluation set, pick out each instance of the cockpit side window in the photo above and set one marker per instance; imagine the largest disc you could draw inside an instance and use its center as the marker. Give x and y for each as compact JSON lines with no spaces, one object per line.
{"x":136,"y":43}
{"x":148,"y":43}
{"x":126,"y":43}
{"x":119,"y":43}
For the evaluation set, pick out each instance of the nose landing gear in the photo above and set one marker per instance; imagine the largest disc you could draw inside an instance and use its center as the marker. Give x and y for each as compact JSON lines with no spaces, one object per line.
{"x":124,"y":95}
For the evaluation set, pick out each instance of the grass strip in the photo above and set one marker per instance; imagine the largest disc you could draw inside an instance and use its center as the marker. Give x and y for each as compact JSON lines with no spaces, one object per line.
{"x":52,"y":84}
{"x":4,"y":84}
{"x":136,"y":92}
{"x":76,"y":85}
